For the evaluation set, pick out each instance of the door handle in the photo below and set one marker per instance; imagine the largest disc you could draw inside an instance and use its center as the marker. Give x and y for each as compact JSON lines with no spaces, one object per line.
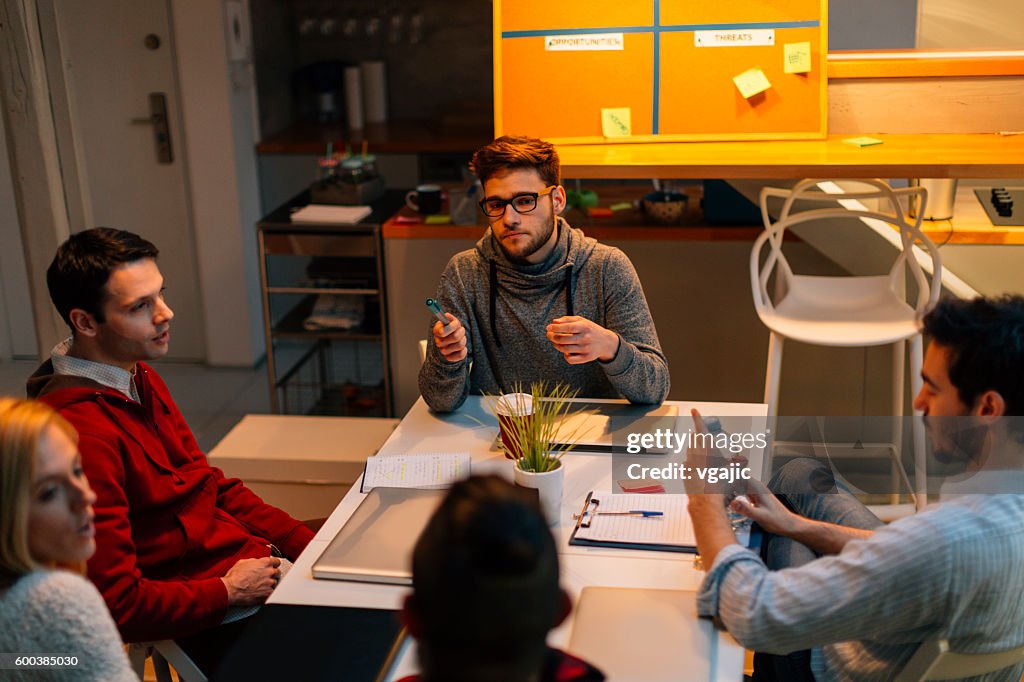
{"x":161,"y":131}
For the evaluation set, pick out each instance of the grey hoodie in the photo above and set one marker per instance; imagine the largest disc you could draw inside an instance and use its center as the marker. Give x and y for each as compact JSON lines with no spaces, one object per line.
{"x":506,"y":307}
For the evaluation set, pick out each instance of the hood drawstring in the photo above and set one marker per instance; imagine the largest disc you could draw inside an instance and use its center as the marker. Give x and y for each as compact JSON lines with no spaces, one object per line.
{"x":494,"y":300}
{"x":568,"y":291}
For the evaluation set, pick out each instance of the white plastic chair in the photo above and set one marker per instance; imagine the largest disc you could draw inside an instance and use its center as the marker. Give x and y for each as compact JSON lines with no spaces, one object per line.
{"x":851,"y":310}
{"x":422,"y":345}
{"x":934,"y":661}
{"x":164,"y":652}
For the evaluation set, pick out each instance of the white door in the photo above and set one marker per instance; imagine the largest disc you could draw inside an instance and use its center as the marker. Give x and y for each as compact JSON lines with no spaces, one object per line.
{"x":117,"y":56}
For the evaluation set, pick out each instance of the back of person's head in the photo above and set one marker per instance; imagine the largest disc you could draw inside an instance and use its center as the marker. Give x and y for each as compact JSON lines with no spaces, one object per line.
{"x":22,"y":424}
{"x":985,"y":341}
{"x":485,"y":584}
{"x":77,"y":276}
{"x":508,"y":153}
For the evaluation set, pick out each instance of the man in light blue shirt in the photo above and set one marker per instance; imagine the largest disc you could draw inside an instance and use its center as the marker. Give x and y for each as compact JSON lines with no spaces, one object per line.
{"x":858,"y":597}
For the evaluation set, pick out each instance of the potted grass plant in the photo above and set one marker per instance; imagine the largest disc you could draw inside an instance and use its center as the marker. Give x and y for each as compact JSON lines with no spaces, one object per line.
{"x":535,"y":437}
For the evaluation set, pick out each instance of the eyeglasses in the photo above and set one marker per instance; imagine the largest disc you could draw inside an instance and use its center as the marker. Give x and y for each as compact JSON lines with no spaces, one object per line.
{"x":522,"y":203}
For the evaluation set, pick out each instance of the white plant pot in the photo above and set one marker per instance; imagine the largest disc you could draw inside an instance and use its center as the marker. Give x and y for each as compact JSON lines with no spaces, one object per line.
{"x":549,"y":486}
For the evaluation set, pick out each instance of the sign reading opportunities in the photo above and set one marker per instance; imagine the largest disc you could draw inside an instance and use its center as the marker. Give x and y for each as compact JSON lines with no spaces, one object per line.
{"x":594,"y":42}
{"x":735,"y":38}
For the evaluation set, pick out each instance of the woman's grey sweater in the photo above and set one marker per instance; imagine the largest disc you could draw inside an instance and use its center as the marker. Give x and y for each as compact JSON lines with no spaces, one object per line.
{"x":60,"y":613}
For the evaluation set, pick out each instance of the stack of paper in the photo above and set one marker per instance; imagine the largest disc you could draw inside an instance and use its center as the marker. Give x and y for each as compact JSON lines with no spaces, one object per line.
{"x":335,"y":215}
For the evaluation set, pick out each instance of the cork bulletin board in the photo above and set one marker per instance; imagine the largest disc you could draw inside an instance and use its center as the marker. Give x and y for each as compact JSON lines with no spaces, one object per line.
{"x":590,"y":71}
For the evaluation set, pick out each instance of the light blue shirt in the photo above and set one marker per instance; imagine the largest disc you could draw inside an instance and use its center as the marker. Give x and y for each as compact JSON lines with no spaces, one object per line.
{"x":954,"y":571}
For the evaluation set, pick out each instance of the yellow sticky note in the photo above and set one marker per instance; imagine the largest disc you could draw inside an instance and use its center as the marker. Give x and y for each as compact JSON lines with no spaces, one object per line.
{"x":797,"y":57}
{"x":751,"y":82}
{"x":615,"y":122}
{"x":862,"y":141}
{"x":438,"y":219}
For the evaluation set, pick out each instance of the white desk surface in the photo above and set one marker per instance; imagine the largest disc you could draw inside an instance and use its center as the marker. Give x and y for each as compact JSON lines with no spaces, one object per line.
{"x":424,"y":431}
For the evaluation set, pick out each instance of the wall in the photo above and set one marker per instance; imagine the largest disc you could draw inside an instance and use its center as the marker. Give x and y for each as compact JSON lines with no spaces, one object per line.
{"x":871,"y":24}
{"x":17,"y":336}
{"x":218,"y":106}
{"x":961,"y":24}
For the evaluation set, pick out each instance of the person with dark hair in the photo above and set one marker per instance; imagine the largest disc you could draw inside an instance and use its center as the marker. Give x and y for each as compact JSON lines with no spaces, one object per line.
{"x":485,"y":590}
{"x":182,"y":552}
{"x":536,"y":299}
{"x":858,"y":596}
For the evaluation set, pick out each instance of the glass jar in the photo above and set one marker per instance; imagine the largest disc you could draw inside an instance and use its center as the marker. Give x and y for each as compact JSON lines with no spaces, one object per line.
{"x":328,"y":170}
{"x":352,"y":171}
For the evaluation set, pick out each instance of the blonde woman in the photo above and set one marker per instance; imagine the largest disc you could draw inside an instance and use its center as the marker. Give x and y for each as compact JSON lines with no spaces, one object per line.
{"x":52,"y":620}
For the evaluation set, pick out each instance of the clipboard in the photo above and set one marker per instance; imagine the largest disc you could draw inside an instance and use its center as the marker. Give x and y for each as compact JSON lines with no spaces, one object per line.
{"x":592,"y":505}
{"x":674,"y":508}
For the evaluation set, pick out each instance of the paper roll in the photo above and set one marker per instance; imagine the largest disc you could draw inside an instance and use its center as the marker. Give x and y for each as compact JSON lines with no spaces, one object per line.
{"x":375,"y":89}
{"x":354,"y":97}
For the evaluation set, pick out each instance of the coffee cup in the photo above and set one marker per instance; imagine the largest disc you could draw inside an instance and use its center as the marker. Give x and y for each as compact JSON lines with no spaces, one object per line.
{"x":515,"y":411}
{"x":425,"y":199}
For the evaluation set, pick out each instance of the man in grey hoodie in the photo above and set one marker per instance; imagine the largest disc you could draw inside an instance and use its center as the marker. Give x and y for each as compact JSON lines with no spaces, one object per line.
{"x":536,"y":299}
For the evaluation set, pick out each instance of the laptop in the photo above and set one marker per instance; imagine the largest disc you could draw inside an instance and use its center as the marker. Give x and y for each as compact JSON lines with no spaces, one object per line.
{"x":645,"y":634}
{"x":603,"y":427}
{"x":375,"y":544}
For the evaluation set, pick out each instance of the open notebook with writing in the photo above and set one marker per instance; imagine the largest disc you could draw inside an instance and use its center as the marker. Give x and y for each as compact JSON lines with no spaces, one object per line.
{"x":605,"y":521}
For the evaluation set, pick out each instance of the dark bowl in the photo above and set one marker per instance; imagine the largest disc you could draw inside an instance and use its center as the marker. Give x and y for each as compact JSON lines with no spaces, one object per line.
{"x":665,"y":208}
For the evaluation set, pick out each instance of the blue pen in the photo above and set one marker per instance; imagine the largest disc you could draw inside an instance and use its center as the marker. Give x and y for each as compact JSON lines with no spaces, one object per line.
{"x":435,"y":308}
{"x":633,"y":512}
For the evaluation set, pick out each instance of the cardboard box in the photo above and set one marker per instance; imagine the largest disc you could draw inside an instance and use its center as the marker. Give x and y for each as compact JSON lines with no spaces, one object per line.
{"x":304,"y":465}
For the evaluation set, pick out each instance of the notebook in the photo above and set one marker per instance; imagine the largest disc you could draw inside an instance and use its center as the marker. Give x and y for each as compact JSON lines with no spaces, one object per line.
{"x":646,"y":634}
{"x":594,"y":430}
{"x":375,"y":544}
{"x":422,"y":470}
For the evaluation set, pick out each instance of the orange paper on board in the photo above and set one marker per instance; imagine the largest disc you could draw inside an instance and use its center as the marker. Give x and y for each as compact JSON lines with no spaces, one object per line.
{"x":610,"y":55}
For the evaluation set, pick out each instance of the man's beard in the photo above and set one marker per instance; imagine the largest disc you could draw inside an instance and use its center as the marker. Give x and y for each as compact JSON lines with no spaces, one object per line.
{"x":535,"y":244}
{"x":962,"y":439}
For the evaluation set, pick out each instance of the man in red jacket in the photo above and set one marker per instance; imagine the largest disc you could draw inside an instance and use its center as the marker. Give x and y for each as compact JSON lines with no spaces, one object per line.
{"x":180,"y":549}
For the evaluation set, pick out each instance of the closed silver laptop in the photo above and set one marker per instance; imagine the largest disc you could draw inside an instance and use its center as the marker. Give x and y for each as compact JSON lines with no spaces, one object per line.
{"x":375,"y":544}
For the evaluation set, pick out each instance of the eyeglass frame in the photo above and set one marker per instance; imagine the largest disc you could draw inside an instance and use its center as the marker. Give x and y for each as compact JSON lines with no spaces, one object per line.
{"x":508,"y":202}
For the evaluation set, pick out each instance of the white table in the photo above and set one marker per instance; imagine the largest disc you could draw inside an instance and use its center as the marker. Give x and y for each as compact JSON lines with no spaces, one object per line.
{"x":422,"y":431}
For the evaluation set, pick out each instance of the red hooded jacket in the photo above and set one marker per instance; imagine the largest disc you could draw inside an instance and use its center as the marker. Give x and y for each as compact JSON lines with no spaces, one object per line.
{"x":168,"y":525}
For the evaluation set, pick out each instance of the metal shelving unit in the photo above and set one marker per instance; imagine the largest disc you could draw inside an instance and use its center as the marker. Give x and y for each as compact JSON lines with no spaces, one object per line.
{"x":340,"y":366}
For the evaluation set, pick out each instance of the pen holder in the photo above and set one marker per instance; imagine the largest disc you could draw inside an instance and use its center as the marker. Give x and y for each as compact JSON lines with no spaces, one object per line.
{"x":462,"y":206}
{"x":548,"y":485}
{"x":347,"y":194}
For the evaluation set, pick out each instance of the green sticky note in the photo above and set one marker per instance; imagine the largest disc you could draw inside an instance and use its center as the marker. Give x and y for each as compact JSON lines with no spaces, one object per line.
{"x":439,"y":219}
{"x":751,"y":82}
{"x":797,"y":57}
{"x":862,"y":141}
{"x":615,"y":122}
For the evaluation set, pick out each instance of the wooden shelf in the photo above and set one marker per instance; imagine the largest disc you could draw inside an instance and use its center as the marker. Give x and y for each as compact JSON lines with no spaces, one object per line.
{"x":914,"y":63}
{"x":899,"y":156}
{"x":413,"y":136}
{"x":970,"y":224}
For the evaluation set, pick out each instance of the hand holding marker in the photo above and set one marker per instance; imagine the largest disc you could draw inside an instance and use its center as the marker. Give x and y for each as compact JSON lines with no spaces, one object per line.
{"x":435,"y":308}
{"x":451,"y":344}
